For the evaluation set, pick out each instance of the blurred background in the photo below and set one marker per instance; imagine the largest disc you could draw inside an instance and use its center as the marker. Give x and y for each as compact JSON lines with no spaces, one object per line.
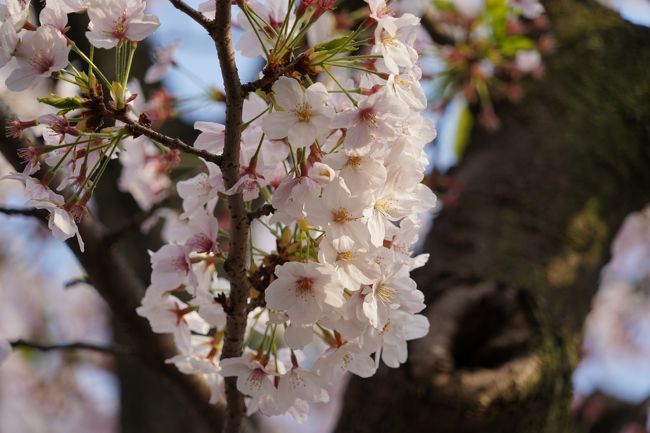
{"x":543,"y":149}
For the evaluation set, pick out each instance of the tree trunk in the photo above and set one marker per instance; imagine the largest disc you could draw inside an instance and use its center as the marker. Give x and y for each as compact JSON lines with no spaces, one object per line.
{"x":514,"y":265}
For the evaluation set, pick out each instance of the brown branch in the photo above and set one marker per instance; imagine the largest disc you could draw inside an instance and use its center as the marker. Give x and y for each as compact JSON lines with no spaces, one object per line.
{"x":235,"y":264}
{"x":192,"y":13}
{"x":137,"y":128}
{"x":271,"y":75}
{"x":109,"y":350}
{"x":265,"y":210}
{"x":115,"y":281}
{"x":29,"y":212}
{"x":430,"y":24}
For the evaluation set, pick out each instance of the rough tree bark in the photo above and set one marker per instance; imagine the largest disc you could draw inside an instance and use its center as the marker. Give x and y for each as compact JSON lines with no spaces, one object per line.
{"x":514,"y":266}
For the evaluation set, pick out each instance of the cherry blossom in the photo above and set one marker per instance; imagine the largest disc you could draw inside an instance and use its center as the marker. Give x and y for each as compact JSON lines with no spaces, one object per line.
{"x":306,"y":116}
{"x":39,"y":53}
{"x":302,"y":290}
{"x":115,"y":21}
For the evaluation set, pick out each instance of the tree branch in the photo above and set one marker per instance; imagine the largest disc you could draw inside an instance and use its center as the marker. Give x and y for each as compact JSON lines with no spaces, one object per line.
{"x":429,"y":23}
{"x":271,"y":75}
{"x":170,"y":142}
{"x":109,"y":350}
{"x":192,"y":13}
{"x":29,"y":212}
{"x":235,"y":264}
{"x":265,"y":210}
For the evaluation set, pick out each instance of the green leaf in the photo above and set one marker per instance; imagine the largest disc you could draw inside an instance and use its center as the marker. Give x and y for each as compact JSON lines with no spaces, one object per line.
{"x":66,"y":104}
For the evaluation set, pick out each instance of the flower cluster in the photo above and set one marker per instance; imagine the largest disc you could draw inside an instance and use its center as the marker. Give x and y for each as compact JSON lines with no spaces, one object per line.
{"x":330,"y":171}
{"x":77,"y":145}
{"x":485,"y":49}
{"x":336,"y":148}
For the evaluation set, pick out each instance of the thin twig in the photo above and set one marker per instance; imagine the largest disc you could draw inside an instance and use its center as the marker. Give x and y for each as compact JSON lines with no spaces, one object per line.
{"x":188,"y":10}
{"x":29,"y":212}
{"x":170,"y":142}
{"x":109,"y":350}
{"x":265,"y":210}
{"x":272,"y":75}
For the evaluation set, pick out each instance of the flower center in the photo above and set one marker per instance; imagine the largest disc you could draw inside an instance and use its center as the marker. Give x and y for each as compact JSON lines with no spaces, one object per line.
{"x":303,"y":112}
{"x":354,"y":161}
{"x":385,"y":294}
{"x":369,"y":116}
{"x":342,"y":215}
{"x":345,"y":255}
{"x":304,"y":285}
{"x":120,"y":27}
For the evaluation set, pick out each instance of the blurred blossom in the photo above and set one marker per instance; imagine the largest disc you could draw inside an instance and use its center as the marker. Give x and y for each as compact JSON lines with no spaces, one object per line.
{"x":616,"y":347}
{"x":49,"y":392}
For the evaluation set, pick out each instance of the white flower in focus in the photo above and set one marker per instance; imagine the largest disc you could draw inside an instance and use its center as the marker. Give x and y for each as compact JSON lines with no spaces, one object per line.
{"x":348,"y":357}
{"x":300,"y":384}
{"x":351,"y":261}
{"x":39,"y":53}
{"x":395,"y":42}
{"x":302,"y":290}
{"x":377,"y":117}
{"x":394,"y":290}
{"x":170,"y":267}
{"x":168,"y":314}
{"x":307,"y":114}
{"x":116,"y":21}
{"x":340,"y":213}
{"x":201,"y":190}
{"x":390,"y":341}
{"x":290,"y":197}
{"x":253,"y":380}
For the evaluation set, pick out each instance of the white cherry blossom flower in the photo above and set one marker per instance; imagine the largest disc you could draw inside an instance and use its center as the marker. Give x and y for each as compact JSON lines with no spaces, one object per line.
{"x":39,"y":53}
{"x":115,"y":21}
{"x":340,"y":213}
{"x":351,"y":260}
{"x":300,"y":384}
{"x":348,"y":357}
{"x":307,"y":114}
{"x":302,"y":290}
{"x":394,"y":41}
{"x":253,"y":380}
{"x":168,"y":314}
{"x":394,"y":290}
{"x":389,"y":342}
{"x":377,"y":117}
